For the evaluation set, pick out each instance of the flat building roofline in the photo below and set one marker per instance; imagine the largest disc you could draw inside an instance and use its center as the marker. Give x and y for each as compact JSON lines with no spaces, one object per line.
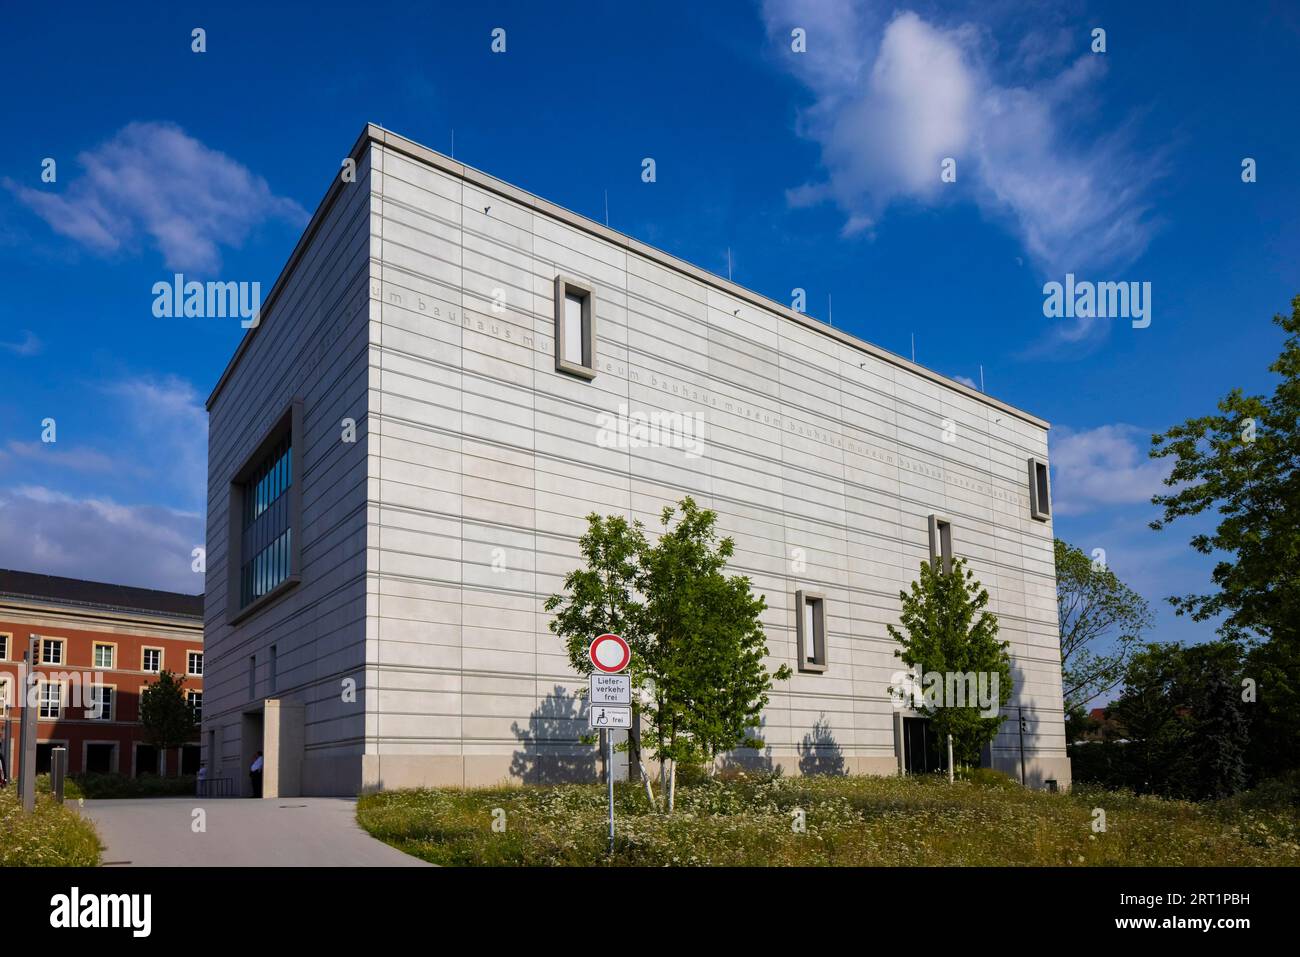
{"x":377,"y":134}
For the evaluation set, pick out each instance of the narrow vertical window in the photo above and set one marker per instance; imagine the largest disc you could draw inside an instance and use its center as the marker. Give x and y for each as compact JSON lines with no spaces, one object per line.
{"x":575,"y":328}
{"x":275,"y":664}
{"x":810,"y":612}
{"x":1040,"y":491}
{"x":941,"y":542}
{"x":252,"y":676}
{"x":573,"y":336}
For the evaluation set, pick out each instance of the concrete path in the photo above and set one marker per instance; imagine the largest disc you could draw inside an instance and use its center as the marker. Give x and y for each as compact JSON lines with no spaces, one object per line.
{"x":240,"y":832}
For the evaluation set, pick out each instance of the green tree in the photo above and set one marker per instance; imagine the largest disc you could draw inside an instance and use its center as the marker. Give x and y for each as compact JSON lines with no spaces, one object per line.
{"x":947,"y":629}
{"x":1241,"y":464}
{"x":601,"y":597}
{"x":167,"y":718}
{"x":1182,"y":720}
{"x":1218,"y":733}
{"x":711,"y":680}
{"x":698,"y":646}
{"x":1101,"y":621}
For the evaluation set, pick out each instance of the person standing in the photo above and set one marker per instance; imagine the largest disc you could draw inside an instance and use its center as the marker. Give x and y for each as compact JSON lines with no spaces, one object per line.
{"x":255,"y":774}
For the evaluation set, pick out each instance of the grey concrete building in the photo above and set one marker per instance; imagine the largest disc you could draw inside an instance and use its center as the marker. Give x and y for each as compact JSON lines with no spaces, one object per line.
{"x":450,"y":373}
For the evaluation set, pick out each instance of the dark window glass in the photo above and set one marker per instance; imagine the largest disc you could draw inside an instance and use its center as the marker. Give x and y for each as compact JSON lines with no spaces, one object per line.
{"x":264,"y":545}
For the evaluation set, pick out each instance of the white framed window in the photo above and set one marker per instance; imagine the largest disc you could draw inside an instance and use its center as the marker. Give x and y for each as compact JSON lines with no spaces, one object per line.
{"x":810,"y":626}
{"x":52,"y":651}
{"x":100,"y":705}
{"x":194,"y":664}
{"x":50,"y":699}
{"x":941,"y":542}
{"x":1040,"y":490}
{"x":104,"y":655}
{"x":4,"y":646}
{"x":151,"y":660}
{"x":195,"y":699}
{"x":7,"y":700}
{"x":575,"y":327}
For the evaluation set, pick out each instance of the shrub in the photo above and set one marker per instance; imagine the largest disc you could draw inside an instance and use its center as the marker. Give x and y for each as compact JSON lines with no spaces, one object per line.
{"x":108,"y":786}
{"x":54,"y":835}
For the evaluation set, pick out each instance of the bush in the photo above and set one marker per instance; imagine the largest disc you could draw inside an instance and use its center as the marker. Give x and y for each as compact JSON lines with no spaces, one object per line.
{"x":54,"y":835}
{"x":108,"y":786}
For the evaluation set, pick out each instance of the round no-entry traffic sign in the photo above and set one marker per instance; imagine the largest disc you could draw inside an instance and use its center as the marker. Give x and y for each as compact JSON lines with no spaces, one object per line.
{"x":610,"y":654}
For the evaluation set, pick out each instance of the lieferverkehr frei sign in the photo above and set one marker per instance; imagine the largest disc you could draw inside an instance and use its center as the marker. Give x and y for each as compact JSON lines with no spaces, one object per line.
{"x":610,"y":698}
{"x":610,"y":689}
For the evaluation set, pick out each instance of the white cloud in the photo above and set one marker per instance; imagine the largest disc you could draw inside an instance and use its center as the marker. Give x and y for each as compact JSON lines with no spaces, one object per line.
{"x":897,"y":94}
{"x":154,"y":179}
{"x":145,"y":429}
{"x":1104,"y":466}
{"x":60,"y":456}
{"x":95,"y":538}
{"x":965,"y":380}
{"x":29,"y":345}
{"x":169,"y":426}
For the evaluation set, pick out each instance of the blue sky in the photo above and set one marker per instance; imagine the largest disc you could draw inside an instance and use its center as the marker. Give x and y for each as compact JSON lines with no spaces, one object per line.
{"x":818,"y":170}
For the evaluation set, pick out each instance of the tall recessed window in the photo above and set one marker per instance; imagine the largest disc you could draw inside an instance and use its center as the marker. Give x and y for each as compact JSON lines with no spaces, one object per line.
{"x":104,"y":655}
{"x":195,"y":699}
{"x":941,"y":542}
{"x":252,"y":676}
{"x":267,"y":535}
{"x":575,"y":327}
{"x":52,"y":651}
{"x":275,"y":665}
{"x":810,"y":618}
{"x":265,"y":512}
{"x":4,"y":647}
{"x":194,"y":664}
{"x":1040,"y":491}
{"x":152,"y":660}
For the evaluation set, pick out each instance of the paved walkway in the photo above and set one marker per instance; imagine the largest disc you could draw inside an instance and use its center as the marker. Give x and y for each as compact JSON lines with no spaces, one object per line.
{"x":285,"y":832}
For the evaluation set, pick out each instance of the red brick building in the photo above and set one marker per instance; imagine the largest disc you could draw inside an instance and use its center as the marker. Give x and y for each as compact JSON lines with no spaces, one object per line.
{"x":99,"y":645}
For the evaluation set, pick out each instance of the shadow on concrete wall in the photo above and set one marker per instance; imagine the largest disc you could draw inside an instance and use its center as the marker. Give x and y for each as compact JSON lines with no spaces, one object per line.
{"x":749,"y":759}
{"x":550,"y":751}
{"x":819,"y":752}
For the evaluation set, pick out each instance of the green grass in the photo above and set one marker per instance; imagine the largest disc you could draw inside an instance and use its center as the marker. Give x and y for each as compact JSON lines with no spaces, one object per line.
{"x":53,"y":835}
{"x":108,"y":786}
{"x":853,"y":821}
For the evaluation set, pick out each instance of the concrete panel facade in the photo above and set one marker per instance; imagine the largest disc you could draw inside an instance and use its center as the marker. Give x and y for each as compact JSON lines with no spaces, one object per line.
{"x":431,"y":543}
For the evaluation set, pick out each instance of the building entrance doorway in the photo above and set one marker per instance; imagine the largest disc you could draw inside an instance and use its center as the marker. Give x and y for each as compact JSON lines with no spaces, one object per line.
{"x":922,"y":751}
{"x":250,"y":745}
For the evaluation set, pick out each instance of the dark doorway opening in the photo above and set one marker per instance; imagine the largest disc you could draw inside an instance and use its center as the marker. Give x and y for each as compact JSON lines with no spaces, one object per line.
{"x":923,"y":752}
{"x":44,"y":757}
{"x":146,"y":759}
{"x":99,"y":758}
{"x":190,"y":759}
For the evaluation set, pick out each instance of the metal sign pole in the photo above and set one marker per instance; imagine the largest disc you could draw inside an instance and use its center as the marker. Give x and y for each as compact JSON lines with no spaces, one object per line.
{"x":609,"y":744}
{"x":1022,"y":745}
